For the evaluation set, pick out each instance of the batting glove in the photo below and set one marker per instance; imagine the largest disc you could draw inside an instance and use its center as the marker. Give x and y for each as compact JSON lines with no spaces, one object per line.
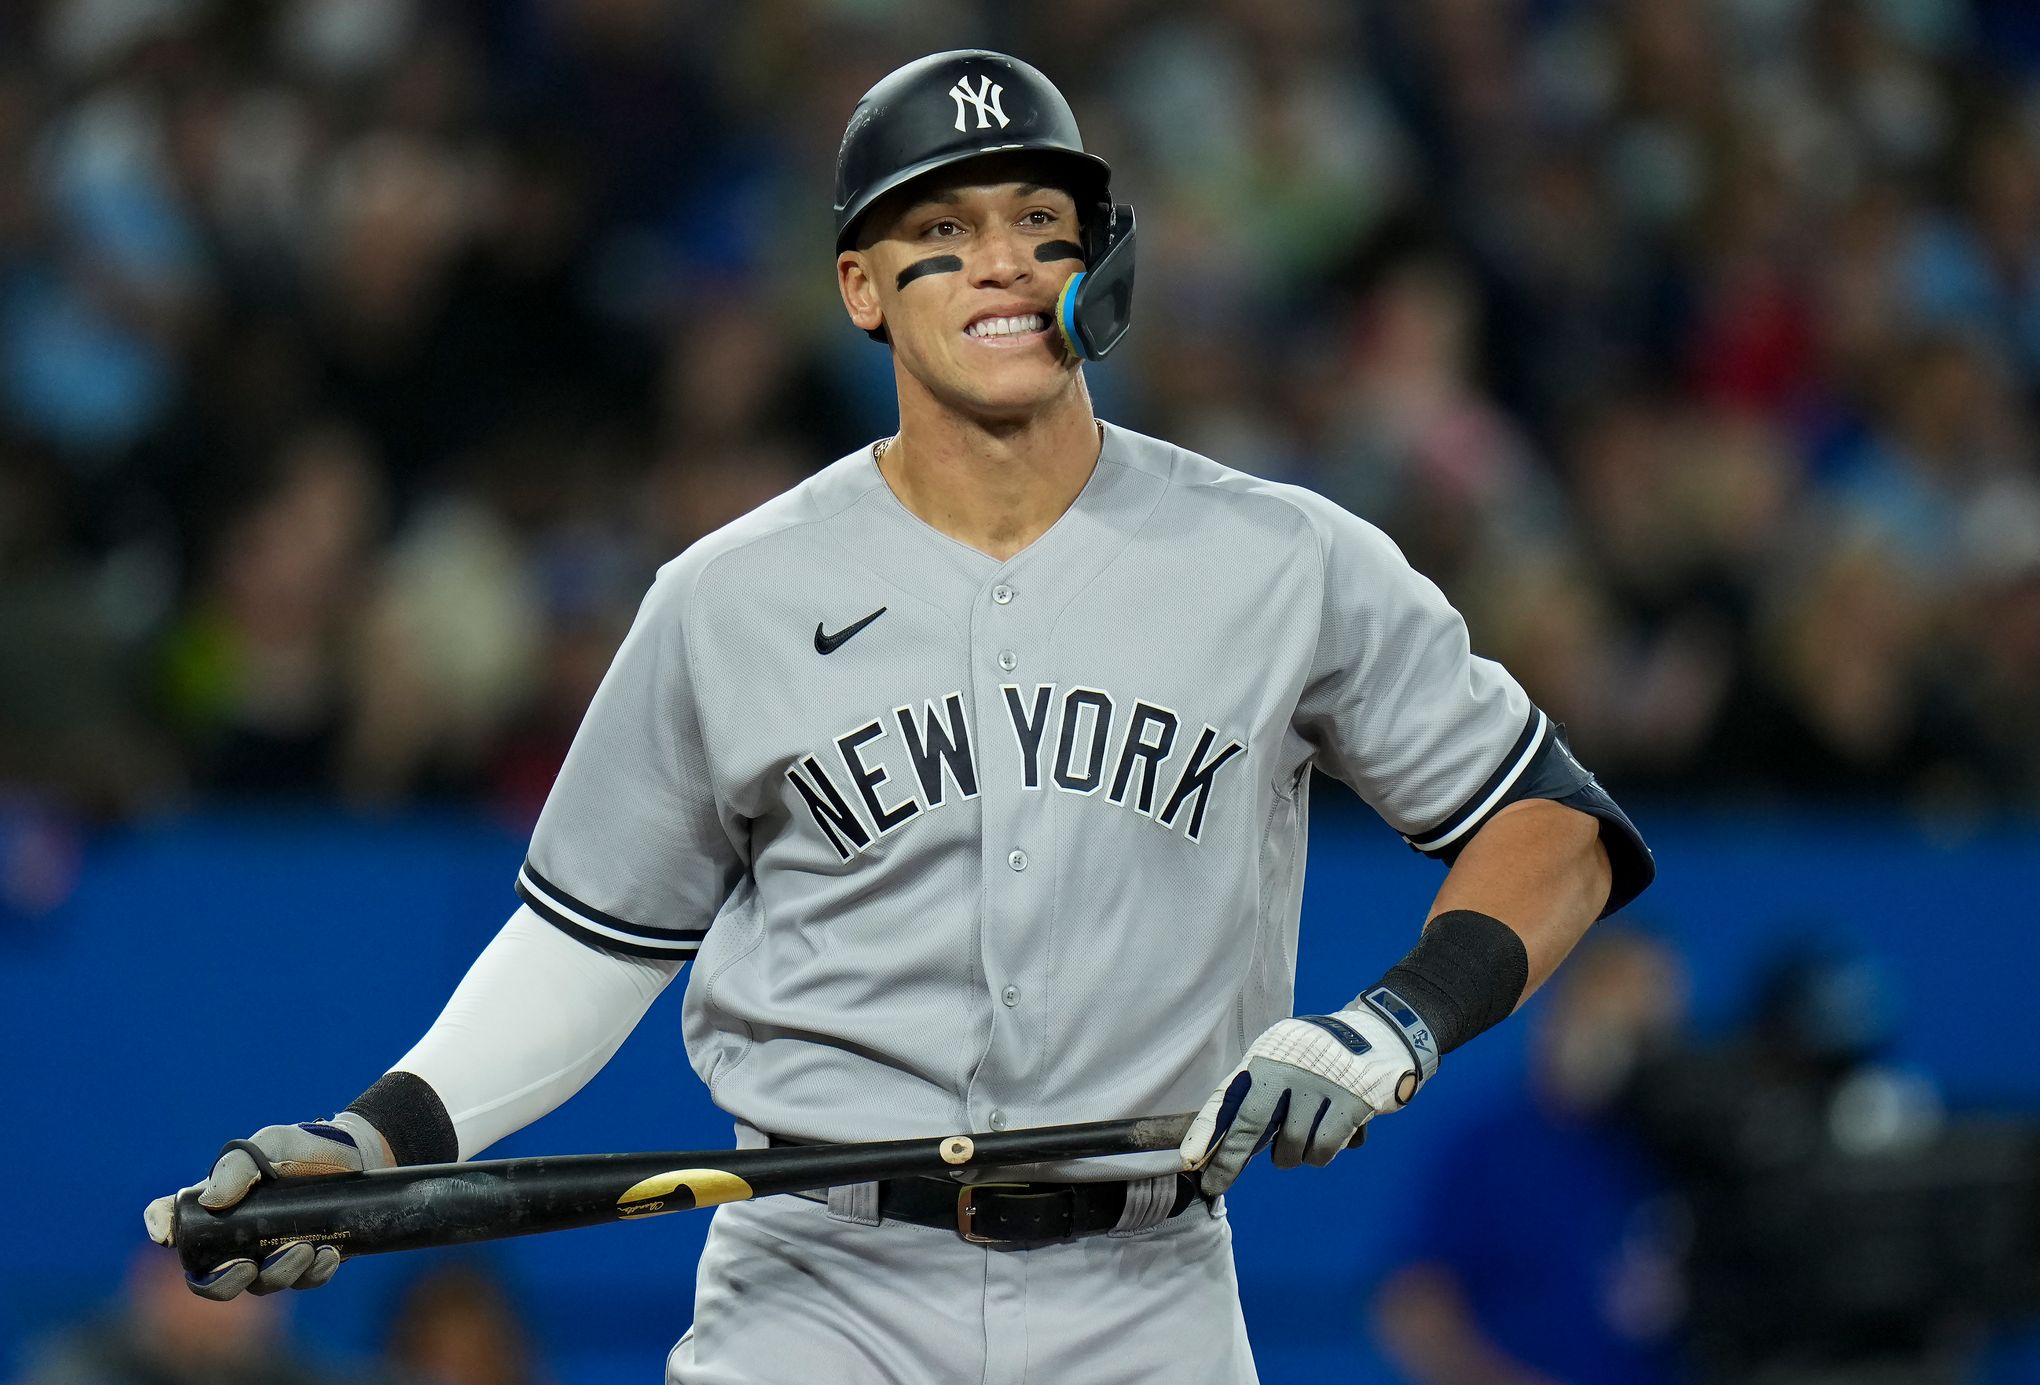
{"x":1309,"y":1085}
{"x":344,"y":1144}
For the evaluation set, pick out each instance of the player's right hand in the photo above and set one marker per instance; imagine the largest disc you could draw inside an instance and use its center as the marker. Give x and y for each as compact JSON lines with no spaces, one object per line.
{"x":345,"y":1144}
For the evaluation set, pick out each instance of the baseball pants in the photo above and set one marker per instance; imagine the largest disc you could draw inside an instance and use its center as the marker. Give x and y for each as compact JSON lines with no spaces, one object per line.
{"x":786,"y":1294}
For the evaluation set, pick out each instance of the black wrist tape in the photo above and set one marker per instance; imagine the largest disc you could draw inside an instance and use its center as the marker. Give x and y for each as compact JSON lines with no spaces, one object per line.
{"x":410,"y":1115}
{"x":1464,"y":975}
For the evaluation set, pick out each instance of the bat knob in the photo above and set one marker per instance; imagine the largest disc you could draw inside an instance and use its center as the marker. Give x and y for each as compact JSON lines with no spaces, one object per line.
{"x":957,"y":1149}
{"x":194,"y":1235}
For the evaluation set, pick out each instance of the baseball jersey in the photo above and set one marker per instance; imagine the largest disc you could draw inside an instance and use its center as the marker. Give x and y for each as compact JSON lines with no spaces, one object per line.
{"x":963,"y":843}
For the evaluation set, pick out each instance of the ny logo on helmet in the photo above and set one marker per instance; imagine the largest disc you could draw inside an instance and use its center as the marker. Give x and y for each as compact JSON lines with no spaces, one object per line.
{"x":985,"y":98}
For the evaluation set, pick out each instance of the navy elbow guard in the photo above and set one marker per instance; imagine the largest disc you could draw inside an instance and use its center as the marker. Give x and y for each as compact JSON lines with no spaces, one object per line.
{"x":1631,"y":866}
{"x":1548,"y":770}
{"x":1562,"y":779}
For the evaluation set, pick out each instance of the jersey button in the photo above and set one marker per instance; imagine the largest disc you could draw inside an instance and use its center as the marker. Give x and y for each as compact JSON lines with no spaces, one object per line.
{"x":1011,"y":995}
{"x":1008,"y":660}
{"x":998,"y":1120}
{"x":1017,"y":860}
{"x":1002,"y":594}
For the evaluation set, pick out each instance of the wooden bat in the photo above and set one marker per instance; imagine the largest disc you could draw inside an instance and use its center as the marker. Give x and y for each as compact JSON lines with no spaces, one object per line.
{"x":451,"y":1204}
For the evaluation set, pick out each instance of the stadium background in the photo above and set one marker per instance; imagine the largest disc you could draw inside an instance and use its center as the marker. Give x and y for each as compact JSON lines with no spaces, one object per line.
{"x":360,"y":359}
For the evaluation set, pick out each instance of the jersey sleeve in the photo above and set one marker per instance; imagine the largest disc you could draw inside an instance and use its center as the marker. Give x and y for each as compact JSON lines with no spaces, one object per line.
{"x":631,"y":852}
{"x":1398,"y":706}
{"x":1434,"y":737}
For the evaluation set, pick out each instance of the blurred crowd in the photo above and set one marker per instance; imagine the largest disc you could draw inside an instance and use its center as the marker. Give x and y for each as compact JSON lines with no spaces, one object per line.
{"x":454,"y":1323}
{"x":360,"y":359}
{"x":1783,"y":1203}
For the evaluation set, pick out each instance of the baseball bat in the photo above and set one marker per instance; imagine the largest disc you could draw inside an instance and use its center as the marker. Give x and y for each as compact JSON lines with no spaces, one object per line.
{"x":452,"y":1204}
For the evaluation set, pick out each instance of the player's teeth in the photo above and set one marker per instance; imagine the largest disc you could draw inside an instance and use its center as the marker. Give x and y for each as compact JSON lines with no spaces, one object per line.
{"x":1007,"y":326}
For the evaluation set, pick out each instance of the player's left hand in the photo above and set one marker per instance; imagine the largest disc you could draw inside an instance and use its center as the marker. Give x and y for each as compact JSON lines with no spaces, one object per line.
{"x":1309,"y":1085}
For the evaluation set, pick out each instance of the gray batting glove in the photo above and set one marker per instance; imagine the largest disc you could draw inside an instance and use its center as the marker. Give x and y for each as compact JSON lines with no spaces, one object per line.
{"x":1309,"y":1085}
{"x":345,"y":1144}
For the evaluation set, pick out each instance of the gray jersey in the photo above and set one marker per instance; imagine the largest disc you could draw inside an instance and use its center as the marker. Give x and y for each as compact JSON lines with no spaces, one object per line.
{"x":962,"y":843}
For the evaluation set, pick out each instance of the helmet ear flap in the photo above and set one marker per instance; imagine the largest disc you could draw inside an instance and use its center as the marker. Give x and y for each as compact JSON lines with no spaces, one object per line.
{"x":1096,"y":303}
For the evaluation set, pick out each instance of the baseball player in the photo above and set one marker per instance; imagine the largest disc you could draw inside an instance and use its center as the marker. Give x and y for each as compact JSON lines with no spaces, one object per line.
{"x":972,"y":775}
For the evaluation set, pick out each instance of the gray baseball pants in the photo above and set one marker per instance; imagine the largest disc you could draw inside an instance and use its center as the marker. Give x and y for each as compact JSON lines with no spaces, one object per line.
{"x":787,"y":1294}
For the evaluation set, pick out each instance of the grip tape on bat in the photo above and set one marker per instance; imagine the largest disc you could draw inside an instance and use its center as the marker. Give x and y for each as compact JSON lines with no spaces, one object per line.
{"x":453,"y":1204}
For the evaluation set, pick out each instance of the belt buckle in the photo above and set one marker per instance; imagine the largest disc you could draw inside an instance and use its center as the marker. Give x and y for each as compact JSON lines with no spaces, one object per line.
{"x":966,"y":1210}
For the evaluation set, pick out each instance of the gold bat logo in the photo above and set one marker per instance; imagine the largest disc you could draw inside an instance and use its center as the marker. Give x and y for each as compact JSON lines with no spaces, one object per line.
{"x":707,"y":1187}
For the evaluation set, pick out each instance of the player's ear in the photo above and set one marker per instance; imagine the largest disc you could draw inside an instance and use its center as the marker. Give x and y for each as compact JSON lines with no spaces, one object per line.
{"x":855,"y":280}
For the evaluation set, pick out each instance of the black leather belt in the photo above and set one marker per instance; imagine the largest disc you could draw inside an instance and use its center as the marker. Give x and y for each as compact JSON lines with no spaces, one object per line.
{"x":1014,"y":1213}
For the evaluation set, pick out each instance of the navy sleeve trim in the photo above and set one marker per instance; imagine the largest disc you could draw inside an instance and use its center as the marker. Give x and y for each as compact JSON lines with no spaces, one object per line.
{"x":1490,"y":796}
{"x":592,"y":925}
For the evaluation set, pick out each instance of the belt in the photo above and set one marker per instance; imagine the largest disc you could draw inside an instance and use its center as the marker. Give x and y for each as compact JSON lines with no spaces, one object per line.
{"x":1012,"y":1213}
{"x":1016,"y":1213}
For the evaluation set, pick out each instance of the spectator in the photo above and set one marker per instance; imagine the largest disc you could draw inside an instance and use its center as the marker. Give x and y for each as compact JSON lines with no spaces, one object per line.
{"x":161,"y":1334}
{"x":456,"y":1325}
{"x":1545,"y":1252}
{"x":254,"y":669}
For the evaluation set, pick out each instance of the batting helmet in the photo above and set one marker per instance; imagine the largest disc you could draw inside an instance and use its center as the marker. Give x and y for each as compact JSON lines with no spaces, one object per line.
{"x":943,"y":109}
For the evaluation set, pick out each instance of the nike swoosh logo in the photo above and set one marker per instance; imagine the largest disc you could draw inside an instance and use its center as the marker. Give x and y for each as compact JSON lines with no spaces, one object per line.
{"x":829,"y":644}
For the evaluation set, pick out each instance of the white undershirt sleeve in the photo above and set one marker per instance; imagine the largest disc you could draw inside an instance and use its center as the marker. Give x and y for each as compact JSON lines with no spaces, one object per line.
{"x":537,"y":1015}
